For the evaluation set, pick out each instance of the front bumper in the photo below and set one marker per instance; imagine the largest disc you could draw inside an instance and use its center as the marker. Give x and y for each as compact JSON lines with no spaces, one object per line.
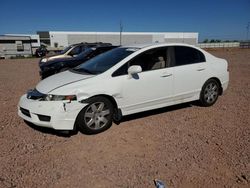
{"x":58,"y":115}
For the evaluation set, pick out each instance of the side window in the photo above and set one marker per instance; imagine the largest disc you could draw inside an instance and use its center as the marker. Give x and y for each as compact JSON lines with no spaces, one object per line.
{"x":95,"y":53}
{"x":149,"y":60}
{"x":91,"y":55}
{"x":75,"y":51}
{"x":187,"y":55}
{"x":123,"y":70}
{"x":83,"y":48}
{"x":19,"y":46}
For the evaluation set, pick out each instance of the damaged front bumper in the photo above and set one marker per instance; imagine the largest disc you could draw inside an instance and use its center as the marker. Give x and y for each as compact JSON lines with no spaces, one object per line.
{"x":58,"y":115}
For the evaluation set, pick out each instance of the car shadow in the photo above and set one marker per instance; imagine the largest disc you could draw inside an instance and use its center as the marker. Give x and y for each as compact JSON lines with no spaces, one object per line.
{"x":51,"y":131}
{"x":156,"y":111}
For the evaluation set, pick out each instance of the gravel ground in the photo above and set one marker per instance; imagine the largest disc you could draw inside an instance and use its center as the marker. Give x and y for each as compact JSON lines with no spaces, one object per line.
{"x":184,"y":146}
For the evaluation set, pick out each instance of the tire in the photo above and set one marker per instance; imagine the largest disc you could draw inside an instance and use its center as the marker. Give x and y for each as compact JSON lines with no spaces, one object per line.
{"x":96,"y":117}
{"x":209,"y":93}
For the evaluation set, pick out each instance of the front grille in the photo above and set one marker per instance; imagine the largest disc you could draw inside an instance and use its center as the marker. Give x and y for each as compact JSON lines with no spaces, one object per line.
{"x":43,"y":118}
{"x":25,"y":112}
{"x":35,"y":95}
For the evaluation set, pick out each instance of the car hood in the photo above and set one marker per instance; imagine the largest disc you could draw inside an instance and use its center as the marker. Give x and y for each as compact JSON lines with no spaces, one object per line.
{"x":60,"y":56}
{"x":61,"y":79}
{"x":53,"y":61}
{"x":57,"y":56}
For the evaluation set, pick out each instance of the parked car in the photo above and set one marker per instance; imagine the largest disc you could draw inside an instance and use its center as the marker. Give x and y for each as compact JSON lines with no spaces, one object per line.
{"x":72,"y":51}
{"x":41,"y":51}
{"x":61,"y":64}
{"x":123,"y":81}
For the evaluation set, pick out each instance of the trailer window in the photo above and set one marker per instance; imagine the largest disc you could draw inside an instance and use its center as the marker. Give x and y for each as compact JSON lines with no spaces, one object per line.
{"x":19,"y":46}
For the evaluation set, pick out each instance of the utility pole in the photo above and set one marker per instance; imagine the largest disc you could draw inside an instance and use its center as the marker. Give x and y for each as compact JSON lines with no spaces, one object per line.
{"x":248,"y":25}
{"x":121,"y":28}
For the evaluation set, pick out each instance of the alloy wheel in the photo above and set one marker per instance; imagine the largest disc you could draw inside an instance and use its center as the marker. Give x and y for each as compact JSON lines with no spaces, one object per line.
{"x":96,"y":115}
{"x":211,"y":92}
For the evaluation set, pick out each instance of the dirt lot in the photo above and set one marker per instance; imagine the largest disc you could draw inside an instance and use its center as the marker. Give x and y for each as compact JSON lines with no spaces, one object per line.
{"x":184,"y":145}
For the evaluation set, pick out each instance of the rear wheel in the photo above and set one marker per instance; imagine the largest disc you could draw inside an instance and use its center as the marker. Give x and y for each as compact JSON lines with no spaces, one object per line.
{"x":209,"y":93}
{"x":96,"y":117}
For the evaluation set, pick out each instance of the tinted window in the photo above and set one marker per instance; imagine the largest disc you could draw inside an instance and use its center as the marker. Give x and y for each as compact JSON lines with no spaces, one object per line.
{"x":186,"y":55}
{"x":149,"y":60}
{"x":75,"y":50}
{"x":123,"y":70}
{"x":104,"y":61}
{"x":65,"y":50}
{"x":85,"y":53}
{"x":83,"y":48}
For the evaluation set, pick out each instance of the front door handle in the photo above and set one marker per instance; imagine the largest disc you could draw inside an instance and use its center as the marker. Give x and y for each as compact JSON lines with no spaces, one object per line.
{"x":201,"y":69}
{"x":166,"y":75}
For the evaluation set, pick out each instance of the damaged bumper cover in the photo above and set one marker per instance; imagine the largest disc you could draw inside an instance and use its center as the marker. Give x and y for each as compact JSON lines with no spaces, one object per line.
{"x":58,"y":115}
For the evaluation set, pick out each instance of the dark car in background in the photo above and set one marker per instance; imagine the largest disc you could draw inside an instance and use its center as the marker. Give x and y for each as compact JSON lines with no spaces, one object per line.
{"x":73,"y":50}
{"x":61,"y":64}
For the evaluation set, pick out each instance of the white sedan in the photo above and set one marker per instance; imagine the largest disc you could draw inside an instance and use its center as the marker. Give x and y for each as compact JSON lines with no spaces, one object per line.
{"x":123,"y":81}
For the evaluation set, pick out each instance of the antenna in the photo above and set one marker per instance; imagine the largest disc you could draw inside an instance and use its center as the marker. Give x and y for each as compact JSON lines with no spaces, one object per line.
{"x":121,"y":28}
{"x":248,"y":25}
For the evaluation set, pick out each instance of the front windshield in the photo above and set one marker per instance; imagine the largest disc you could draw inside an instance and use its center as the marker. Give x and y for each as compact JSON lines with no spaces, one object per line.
{"x":85,"y":53}
{"x":105,"y":61}
{"x":65,"y":50}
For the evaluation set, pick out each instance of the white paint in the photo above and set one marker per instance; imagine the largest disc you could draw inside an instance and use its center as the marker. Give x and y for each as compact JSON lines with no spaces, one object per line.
{"x":149,"y":90}
{"x":158,"y":38}
{"x":61,"y":37}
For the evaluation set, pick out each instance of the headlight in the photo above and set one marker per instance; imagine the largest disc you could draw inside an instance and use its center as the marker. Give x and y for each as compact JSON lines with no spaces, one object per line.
{"x":44,"y":60}
{"x":60,"y":97}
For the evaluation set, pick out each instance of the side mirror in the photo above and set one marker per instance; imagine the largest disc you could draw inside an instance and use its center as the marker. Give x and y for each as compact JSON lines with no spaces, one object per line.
{"x":134,"y":69}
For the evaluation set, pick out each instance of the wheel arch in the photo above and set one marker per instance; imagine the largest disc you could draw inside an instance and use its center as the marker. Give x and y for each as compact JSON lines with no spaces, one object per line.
{"x":219,"y":82}
{"x":118,"y":113}
{"x":112,"y":100}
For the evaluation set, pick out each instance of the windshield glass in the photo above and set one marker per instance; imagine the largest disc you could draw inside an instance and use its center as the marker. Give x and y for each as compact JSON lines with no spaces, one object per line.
{"x":85,"y":53}
{"x":105,"y":61}
{"x":65,"y":50}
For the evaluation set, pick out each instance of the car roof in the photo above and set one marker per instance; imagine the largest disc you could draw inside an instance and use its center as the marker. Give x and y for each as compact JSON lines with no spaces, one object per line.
{"x":104,"y":46}
{"x":140,"y":46}
{"x":88,"y":44}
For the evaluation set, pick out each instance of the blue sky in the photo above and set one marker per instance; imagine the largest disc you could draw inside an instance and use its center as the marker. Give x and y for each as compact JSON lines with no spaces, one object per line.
{"x":217,"y":19}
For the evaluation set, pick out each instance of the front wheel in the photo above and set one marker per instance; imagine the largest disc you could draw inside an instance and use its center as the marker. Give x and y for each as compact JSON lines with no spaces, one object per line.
{"x":209,"y":93}
{"x":96,"y":117}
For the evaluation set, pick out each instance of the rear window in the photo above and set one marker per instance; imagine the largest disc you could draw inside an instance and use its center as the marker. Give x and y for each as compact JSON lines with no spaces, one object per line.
{"x":187,"y":55}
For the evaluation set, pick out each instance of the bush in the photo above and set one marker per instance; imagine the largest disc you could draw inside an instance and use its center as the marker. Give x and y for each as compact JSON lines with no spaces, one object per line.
{"x":206,"y":41}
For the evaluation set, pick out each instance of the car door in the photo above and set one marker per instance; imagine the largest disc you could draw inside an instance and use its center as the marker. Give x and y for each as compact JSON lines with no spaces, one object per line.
{"x":152,"y":88}
{"x":190,"y":72}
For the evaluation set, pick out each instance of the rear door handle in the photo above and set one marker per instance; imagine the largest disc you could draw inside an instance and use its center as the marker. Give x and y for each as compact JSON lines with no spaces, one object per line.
{"x":166,"y":75}
{"x":201,"y":69}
